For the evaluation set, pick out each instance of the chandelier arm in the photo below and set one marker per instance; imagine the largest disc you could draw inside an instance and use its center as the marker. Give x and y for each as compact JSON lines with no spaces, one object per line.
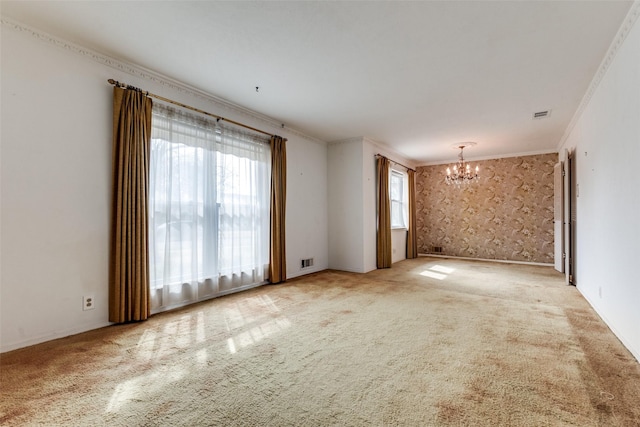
{"x":462,"y":173}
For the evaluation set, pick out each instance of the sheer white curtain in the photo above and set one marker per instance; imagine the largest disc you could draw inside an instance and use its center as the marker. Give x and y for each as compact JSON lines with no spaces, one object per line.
{"x":208,"y":208}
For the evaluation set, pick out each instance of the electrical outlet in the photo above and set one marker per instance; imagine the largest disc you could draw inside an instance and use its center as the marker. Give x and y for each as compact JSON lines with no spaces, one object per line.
{"x":88,"y":303}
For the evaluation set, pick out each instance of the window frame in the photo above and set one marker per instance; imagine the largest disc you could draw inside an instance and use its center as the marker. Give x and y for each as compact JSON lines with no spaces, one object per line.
{"x":402,"y":201}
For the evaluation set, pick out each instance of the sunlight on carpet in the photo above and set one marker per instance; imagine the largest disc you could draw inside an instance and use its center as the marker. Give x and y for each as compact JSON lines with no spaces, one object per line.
{"x":468,"y":344}
{"x":438,"y":272}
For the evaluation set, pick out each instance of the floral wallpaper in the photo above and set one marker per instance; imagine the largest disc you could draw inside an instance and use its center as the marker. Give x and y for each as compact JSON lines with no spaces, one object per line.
{"x":506,"y":215}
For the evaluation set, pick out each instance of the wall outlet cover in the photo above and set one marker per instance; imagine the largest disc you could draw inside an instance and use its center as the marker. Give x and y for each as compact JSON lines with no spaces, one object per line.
{"x":88,"y":303}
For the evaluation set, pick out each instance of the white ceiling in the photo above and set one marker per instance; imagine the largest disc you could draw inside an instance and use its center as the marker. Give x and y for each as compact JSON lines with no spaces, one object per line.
{"x":417,"y":76}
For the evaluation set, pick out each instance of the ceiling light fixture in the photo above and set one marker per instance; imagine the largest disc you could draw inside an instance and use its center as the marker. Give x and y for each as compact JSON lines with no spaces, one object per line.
{"x":461,"y":172}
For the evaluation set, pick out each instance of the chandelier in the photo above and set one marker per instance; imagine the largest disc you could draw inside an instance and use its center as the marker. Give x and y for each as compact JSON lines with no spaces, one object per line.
{"x":461,"y":173}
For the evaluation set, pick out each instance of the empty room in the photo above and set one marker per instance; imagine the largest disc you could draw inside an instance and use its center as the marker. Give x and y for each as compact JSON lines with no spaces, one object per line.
{"x":221,"y":213}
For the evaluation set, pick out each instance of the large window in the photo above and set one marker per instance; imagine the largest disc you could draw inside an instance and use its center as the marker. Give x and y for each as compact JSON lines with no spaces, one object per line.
{"x":398,"y":195}
{"x":208,"y":208}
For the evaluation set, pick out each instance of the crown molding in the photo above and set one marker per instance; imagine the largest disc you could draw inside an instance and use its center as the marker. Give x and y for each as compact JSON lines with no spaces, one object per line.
{"x":386,"y":150}
{"x":618,"y":40}
{"x":392,"y":153}
{"x":346,"y":141}
{"x":505,"y":156}
{"x":152,"y":76}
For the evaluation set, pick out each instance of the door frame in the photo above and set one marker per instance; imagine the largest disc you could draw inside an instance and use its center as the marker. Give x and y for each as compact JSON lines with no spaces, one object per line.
{"x":570,"y":218}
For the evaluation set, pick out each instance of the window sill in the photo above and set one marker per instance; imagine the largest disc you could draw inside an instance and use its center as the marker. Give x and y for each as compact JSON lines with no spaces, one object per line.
{"x":399,"y":228}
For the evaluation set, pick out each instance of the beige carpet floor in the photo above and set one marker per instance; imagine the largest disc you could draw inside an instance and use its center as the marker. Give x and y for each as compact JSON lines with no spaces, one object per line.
{"x":430,"y":342}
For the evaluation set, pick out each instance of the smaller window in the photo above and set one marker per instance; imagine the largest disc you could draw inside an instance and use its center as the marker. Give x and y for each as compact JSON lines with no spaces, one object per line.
{"x":397,"y":195}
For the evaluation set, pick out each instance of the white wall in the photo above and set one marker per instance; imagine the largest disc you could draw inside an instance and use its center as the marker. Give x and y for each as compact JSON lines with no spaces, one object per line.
{"x":352,"y":204}
{"x":307,"y":214}
{"x":345,"y":205}
{"x":369,"y":190}
{"x":606,"y":140}
{"x":55,"y":185}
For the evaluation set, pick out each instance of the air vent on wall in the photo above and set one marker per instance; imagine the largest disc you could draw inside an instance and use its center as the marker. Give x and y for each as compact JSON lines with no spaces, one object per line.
{"x":541,"y":114}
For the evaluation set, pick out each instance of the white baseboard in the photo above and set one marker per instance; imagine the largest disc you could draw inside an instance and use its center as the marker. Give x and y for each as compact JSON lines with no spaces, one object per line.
{"x":305,"y":272}
{"x":51,"y":336}
{"x":504,"y":261}
{"x":634,"y":352}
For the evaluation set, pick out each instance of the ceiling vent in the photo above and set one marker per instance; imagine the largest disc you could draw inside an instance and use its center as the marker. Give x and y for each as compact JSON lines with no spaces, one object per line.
{"x":541,"y":114}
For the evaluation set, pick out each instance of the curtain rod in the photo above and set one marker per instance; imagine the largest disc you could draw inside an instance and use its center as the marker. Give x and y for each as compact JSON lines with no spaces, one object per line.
{"x":393,"y":161}
{"x":162,"y":98}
